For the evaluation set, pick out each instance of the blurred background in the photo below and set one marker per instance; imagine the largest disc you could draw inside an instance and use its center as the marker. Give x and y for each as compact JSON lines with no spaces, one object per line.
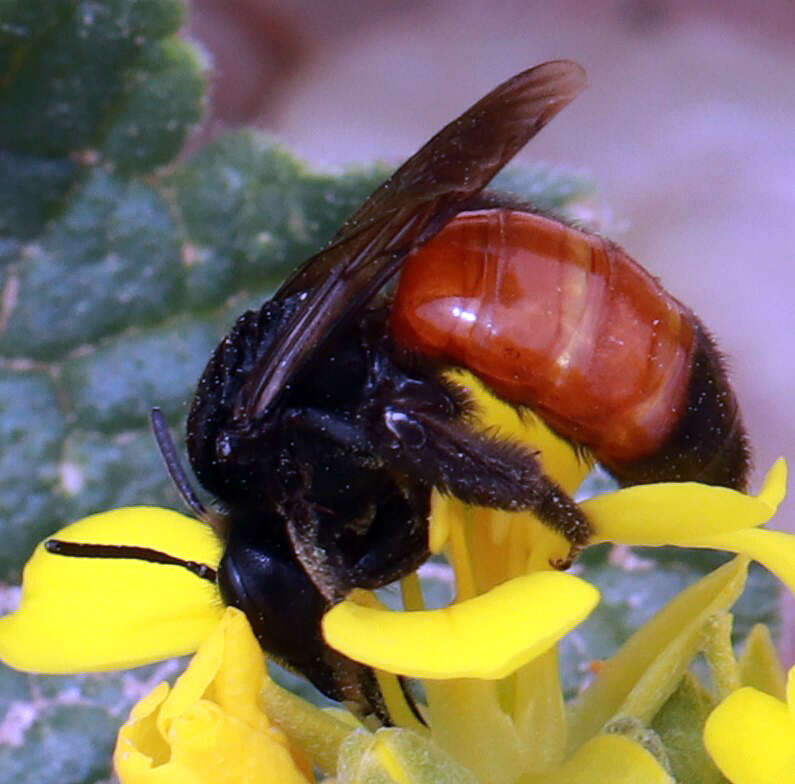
{"x":686,"y":129}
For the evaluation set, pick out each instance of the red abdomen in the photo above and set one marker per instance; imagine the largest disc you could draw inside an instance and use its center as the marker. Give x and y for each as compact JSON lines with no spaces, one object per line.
{"x":556,"y":319}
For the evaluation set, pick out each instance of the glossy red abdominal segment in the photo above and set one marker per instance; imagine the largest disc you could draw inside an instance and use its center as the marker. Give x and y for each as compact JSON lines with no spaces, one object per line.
{"x":556,"y":319}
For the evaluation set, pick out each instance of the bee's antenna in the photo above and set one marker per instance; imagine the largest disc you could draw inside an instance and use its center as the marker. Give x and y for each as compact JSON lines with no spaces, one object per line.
{"x":179,"y":477}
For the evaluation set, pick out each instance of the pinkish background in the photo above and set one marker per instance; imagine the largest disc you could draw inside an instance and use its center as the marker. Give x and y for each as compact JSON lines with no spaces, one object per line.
{"x":688,"y":128}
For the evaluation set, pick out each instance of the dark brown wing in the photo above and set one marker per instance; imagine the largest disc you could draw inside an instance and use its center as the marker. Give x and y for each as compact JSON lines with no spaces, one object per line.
{"x":405,"y":211}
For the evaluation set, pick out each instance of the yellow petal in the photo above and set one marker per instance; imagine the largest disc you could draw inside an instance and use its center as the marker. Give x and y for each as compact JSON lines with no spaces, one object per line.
{"x":90,"y":614}
{"x":751,"y":738}
{"x":209,"y":728}
{"x":775,"y":550}
{"x":219,"y":749}
{"x":488,"y":636}
{"x":140,"y":733}
{"x":680,"y":512}
{"x":228,"y":669}
{"x":607,"y":758}
{"x":205,"y":746}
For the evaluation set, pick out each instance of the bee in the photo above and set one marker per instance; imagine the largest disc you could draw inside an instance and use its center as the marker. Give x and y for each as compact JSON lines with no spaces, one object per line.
{"x":324,"y":420}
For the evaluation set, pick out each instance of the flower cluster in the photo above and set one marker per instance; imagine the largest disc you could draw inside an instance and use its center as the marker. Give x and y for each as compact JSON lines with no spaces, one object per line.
{"x":488,"y":664}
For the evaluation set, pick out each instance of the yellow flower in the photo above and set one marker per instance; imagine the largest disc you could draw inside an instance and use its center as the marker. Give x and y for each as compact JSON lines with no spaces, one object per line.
{"x":209,"y":728}
{"x":751,"y":736}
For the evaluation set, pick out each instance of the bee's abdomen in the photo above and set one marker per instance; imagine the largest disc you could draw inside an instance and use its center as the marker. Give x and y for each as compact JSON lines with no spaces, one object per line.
{"x":556,"y":319}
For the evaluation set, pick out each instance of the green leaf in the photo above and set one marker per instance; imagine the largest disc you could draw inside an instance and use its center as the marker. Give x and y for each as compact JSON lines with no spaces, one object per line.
{"x":32,"y":428}
{"x":162,"y":99}
{"x":31,"y":189}
{"x":251,"y":212}
{"x":63,"y":80}
{"x":68,"y":744}
{"x":106,"y":263}
{"x":680,"y":726}
{"x":159,"y":365}
{"x":14,"y":689}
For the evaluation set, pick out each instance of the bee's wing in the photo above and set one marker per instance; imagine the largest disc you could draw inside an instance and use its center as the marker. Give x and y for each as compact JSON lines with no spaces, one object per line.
{"x":404,"y":212}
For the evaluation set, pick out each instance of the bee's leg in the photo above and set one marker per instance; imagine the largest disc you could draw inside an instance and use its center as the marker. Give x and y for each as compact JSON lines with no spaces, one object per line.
{"x":483,"y":470}
{"x":320,"y":562}
{"x":385,"y":544}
